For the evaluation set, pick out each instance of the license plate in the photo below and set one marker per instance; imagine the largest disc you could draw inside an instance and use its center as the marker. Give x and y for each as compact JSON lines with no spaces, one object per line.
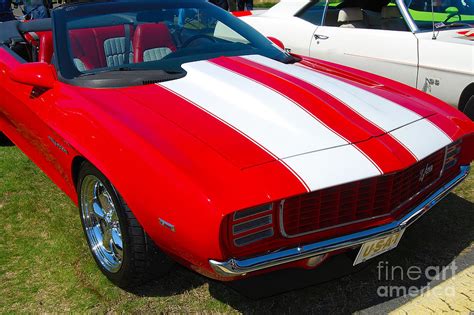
{"x":379,"y":246}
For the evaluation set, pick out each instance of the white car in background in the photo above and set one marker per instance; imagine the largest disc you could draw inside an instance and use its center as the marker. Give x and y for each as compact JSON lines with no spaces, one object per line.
{"x":428,"y":44}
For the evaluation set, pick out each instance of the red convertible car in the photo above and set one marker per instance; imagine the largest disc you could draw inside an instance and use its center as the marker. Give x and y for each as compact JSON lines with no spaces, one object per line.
{"x":182,"y":133}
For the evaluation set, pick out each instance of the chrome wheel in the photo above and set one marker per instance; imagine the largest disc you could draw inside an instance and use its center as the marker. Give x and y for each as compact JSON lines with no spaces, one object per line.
{"x":101,"y":223}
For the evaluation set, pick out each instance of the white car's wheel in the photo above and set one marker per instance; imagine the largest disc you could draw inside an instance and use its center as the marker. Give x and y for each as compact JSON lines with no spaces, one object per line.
{"x":469,"y":108}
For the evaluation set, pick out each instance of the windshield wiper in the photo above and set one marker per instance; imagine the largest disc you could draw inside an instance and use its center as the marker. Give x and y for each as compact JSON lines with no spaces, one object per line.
{"x":290,"y":59}
{"x":129,"y":69}
{"x":108,"y":70}
{"x":439,"y":26}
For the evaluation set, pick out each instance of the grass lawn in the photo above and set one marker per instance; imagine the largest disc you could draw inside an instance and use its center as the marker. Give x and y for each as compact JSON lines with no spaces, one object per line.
{"x":45,"y":264}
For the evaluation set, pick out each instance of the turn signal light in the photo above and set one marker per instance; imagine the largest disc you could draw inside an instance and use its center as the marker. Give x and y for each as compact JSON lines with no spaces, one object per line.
{"x":453,"y":152}
{"x":252,"y":225}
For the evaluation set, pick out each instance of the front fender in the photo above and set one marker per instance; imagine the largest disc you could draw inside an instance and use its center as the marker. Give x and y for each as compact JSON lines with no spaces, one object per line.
{"x":140,"y":154}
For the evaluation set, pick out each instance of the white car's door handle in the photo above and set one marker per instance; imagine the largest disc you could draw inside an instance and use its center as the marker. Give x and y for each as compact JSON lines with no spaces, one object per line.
{"x":317,"y":36}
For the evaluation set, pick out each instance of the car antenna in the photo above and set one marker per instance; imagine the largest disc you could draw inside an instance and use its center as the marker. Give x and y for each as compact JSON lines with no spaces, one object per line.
{"x":432,"y":19}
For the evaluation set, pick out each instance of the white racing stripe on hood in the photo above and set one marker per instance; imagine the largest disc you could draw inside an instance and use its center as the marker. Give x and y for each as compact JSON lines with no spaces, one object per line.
{"x":270,"y":119}
{"x":264,"y":115}
{"x":421,"y":140}
{"x":333,"y":167}
{"x":380,"y":111}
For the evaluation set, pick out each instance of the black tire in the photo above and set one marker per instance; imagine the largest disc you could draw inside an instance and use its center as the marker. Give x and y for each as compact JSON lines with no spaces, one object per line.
{"x":469,"y":108}
{"x":4,"y":141}
{"x":142,"y":259}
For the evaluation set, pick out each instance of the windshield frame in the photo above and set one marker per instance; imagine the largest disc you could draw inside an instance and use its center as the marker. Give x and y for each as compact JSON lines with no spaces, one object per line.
{"x":67,"y":15}
{"x":407,"y":16}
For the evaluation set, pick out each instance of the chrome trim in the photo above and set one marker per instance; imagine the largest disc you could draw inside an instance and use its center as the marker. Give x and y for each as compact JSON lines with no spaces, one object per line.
{"x":101,"y":223}
{"x":280,"y":214}
{"x":167,"y":225}
{"x":434,"y":182}
{"x":446,"y":148}
{"x":260,"y":237}
{"x":407,"y":17}
{"x":258,"y":210}
{"x":453,"y":152}
{"x":286,"y":235}
{"x":234,"y":267}
{"x":268,"y":220}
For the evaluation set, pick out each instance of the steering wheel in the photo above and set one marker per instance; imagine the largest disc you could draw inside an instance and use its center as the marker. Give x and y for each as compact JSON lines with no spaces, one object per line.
{"x":451,"y":15}
{"x":195,"y":37}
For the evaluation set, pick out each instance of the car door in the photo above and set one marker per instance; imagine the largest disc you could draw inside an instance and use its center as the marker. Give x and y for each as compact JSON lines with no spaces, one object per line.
{"x":26,"y":112}
{"x":375,"y":41}
{"x":17,"y":102}
{"x":292,"y":26}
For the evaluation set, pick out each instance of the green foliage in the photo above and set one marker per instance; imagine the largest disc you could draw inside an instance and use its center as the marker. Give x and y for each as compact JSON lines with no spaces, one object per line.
{"x":264,"y":5}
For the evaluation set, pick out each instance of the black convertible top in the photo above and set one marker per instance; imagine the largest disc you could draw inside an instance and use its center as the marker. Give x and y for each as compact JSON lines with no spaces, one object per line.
{"x":12,"y":31}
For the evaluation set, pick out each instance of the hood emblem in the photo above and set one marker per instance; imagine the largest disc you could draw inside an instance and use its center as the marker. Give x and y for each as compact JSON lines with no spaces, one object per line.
{"x":425,"y":171}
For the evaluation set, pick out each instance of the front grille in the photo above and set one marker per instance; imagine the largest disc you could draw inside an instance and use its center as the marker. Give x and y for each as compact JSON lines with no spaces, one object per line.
{"x":386,"y":195}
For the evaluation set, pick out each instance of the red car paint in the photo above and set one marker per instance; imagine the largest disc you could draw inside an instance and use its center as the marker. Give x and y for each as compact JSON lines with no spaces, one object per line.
{"x":178,"y":162}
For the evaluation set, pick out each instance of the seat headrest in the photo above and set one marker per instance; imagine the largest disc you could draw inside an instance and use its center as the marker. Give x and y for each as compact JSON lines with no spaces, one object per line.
{"x":150,"y":36}
{"x":350,"y":15}
{"x":390,"y":12}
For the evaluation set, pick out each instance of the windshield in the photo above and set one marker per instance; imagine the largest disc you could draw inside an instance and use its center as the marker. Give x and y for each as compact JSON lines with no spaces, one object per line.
{"x":113,"y":36}
{"x":442,"y":12}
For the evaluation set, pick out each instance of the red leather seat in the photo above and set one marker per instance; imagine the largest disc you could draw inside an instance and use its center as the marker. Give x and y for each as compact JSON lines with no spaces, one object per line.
{"x":99,"y":47}
{"x":109,"y":42}
{"x":152,"y":40}
{"x":84,"y":49}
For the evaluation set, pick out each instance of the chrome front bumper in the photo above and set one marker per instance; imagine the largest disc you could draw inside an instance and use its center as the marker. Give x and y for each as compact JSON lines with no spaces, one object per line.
{"x":234,"y":267}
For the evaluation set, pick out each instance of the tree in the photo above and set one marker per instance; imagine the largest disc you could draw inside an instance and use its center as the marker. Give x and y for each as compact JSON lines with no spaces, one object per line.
{"x":232,"y":5}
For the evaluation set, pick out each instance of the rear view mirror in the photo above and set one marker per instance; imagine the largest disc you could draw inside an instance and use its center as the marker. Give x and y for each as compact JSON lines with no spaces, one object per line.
{"x":38,"y":74}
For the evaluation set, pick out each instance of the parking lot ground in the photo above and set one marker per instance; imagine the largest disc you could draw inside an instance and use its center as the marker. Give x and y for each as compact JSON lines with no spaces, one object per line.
{"x":453,"y":295}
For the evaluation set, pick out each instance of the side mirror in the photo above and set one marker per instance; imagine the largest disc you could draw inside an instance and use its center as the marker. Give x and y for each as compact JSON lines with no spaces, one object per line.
{"x":277,"y":42}
{"x":38,"y":74}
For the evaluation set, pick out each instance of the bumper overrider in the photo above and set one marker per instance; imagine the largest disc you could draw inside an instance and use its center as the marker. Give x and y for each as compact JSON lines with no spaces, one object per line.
{"x":235,"y":267}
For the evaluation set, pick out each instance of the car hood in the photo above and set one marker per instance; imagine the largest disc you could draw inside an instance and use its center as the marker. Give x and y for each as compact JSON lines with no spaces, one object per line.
{"x":253,"y":110}
{"x":457,"y":36}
